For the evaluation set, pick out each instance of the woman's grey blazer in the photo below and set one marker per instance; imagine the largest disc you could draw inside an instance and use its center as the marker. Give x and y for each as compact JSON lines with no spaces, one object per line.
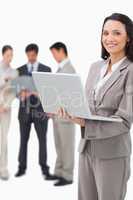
{"x":115,"y":99}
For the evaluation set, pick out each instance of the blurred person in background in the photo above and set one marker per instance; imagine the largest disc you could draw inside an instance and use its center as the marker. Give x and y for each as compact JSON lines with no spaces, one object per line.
{"x":31,"y":112}
{"x":6,"y":97}
{"x":64,"y":130}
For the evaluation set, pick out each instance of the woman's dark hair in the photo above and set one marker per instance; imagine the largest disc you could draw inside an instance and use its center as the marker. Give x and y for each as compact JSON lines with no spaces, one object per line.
{"x":32,"y":47}
{"x":6,"y":48}
{"x":129,"y":29}
{"x":58,"y":46}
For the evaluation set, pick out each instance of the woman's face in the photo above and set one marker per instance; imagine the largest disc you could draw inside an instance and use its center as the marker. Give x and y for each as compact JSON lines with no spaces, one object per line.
{"x":8,"y":56}
{"x":114,"y":37}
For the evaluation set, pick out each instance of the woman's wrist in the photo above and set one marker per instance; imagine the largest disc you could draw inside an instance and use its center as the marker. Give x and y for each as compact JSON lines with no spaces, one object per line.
{"x":78,"y":121}
{"x":82,"y":122}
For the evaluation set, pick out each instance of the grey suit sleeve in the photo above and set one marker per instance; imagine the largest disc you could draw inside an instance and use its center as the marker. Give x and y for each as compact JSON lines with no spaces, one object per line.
{"x":102,"y":129}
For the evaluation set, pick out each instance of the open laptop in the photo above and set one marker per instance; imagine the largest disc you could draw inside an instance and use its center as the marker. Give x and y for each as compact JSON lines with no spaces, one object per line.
{"x":64,"y":90}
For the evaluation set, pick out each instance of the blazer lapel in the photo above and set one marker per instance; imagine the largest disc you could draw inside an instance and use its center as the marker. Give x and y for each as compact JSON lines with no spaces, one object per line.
{"x":91,"y":82}
{"x":61,"y":69}
{"x":39,"y":67}
{"x":114,"y":77}
{"x":26,"y":70}
{"x":64,"y":68}
{"x":94,"y":77}
{"x":58,"y":70}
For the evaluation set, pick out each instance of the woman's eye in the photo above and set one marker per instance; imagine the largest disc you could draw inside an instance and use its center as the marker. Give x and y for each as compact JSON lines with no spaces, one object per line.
{"x":105,"y":33}
{"x":116,"y":33}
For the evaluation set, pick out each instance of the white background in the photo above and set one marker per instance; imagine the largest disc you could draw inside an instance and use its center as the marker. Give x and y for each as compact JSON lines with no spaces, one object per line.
{"x":76,"y":23}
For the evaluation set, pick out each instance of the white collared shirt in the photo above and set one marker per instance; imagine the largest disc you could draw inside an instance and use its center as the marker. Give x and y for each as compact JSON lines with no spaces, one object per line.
{"x":64,"y":62}
{"x":103,"y":78}
{"x":35,"y":66}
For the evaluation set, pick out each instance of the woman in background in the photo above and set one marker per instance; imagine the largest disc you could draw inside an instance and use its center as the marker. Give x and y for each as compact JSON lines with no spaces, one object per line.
{"x":6,"y":97}
{"x":105,"y":148}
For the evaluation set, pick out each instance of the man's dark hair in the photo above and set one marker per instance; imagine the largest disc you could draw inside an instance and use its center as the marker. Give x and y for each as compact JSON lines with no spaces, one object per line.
{"x":58,"y":46}
{"x":129,"y":29}
{"x":6,"y":48}
{"x":32,"y":47}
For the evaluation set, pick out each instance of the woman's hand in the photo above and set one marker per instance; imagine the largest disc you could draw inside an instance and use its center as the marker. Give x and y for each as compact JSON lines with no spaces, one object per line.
{"x":24,"y":94}
{"x":50,"y":115}
{"x":8,"y":78}
{"x":3,"y":110}
{"x":62,"y":113}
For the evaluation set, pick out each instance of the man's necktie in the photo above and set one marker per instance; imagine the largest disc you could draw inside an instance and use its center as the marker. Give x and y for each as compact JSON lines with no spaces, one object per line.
{"x":31,"y":69}
{"x":58,"y":70}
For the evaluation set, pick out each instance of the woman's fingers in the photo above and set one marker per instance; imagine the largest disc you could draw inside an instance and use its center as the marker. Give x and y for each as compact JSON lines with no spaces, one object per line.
{"x":3,"y":110}
{"x":67,"y":115}
{"x":62,"y":113}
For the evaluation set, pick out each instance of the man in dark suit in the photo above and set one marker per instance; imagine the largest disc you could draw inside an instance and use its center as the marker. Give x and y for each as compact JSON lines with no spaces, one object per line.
{"x":31,"y":111}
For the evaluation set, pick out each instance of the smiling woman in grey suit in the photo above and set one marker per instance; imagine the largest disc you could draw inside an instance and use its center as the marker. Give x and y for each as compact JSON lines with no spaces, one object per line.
{"x":105,"y":148}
